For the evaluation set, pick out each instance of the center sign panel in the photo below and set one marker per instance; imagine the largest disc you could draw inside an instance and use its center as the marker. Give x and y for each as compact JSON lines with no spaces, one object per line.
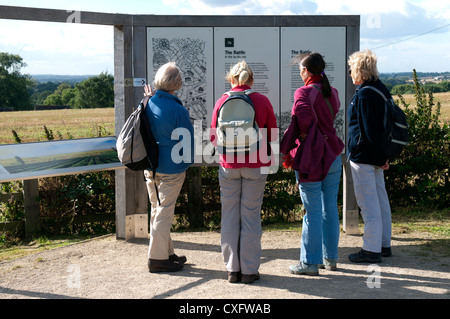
{"x":259,"y":47}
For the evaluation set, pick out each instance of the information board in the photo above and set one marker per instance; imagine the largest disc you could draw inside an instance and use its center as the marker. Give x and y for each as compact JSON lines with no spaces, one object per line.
{"x":330,"y":42}
{"x":192,"y":50}
{"x":53,"y":158}
{"x":259,"y":47}
{"x":206,"y":54}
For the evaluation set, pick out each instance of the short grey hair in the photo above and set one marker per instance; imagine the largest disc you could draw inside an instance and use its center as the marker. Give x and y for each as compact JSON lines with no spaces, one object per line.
{"x":168,"y":77}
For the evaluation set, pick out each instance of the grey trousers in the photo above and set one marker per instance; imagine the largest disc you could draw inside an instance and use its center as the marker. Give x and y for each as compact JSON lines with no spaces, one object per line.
{"x":169,"y":187}
{"x":371,"y":196}
{"x":241,"y":195}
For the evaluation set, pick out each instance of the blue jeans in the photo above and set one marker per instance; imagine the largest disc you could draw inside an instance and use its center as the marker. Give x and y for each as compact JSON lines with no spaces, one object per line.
{"x":320,"y":231}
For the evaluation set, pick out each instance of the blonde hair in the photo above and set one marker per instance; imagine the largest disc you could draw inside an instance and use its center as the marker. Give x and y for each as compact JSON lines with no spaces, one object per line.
{"x":168,"y":78}
{"x":240,"y":74}
{"x":363,"y":65}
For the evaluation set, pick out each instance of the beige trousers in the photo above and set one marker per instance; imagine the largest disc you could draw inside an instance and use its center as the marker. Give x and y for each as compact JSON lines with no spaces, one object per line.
{"x":169,"y":187}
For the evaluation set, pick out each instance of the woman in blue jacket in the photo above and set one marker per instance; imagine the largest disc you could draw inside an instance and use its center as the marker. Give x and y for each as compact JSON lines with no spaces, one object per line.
{"x":174,"y":133}
{"x":367,"y":158}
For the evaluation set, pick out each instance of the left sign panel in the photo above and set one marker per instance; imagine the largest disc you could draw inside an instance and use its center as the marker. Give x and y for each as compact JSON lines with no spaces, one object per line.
{"x":192,"y":50}
{"x":45,"y":159}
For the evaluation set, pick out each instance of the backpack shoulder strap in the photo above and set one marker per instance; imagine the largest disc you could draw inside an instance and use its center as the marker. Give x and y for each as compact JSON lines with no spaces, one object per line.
{"x":376,"y":90}
{"x":385,"y":101}
{"x":144,"y":102}
{"x":325,"y":98}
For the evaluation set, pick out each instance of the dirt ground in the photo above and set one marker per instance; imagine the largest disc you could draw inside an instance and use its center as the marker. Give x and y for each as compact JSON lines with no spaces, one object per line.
{"x":108,"y":268}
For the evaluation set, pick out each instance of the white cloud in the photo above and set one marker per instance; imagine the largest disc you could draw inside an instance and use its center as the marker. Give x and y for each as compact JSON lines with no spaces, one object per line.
{"x":58,"y":45}
{"x":383,"y":22}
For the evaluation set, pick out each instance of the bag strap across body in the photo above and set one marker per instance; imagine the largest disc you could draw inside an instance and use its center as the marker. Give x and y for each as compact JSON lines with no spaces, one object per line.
{"x":326,"y":101}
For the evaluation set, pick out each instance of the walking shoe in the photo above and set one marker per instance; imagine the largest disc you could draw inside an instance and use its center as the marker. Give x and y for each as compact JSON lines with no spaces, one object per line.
{"x":386,"y":252}
{"x":163,"y":265}
{"x":329,"y":264}
{"x":364,"y":256}
{"x":234,"y":276}
{"x":178,"y":259}
{"x":304,"y":269}
{"x":248,"y":279}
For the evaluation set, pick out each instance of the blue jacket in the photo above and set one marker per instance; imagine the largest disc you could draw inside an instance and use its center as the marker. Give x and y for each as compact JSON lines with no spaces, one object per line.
{"x":365,"y":125}
{"x":166,"y":113}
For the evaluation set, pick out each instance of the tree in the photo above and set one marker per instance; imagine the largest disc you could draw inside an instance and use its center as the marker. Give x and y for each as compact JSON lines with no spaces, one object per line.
{"x":63,"y":95}
{"x":95,"y":92}
{"x":14,"y":86}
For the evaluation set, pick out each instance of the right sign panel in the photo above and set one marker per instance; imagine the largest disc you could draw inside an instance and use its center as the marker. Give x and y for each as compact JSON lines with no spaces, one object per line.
{"x":328,"y":41}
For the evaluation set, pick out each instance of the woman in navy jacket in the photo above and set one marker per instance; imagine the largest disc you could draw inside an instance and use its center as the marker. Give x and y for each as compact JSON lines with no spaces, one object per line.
{"x":367,"y":158}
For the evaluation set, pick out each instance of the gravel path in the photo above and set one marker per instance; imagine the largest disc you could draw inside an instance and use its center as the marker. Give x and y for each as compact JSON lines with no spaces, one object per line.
{"x":111,"y":269}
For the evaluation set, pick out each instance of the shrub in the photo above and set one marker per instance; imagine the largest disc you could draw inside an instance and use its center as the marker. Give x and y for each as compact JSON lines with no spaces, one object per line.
{"x":421,"y":175}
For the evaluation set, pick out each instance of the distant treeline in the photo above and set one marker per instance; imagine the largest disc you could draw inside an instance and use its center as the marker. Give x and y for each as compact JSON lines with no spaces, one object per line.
{"x":82,"y":91}
{"x":401,"y":83}
{"x":75,"y":91}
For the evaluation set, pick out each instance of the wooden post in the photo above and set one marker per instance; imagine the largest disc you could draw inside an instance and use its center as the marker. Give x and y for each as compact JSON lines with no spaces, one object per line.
{"x":350,"y":207}
{"x":131,"y":191}
{"x":351,"y":210}
{"x":31,"y":207}
{"x":195,"y":195}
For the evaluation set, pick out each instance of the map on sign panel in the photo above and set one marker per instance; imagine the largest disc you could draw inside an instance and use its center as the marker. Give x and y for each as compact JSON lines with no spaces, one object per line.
{"x":188,"y":53}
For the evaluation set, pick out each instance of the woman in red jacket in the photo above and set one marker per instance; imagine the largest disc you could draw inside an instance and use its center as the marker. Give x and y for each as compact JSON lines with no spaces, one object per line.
{"x":242,"y":181}
{"x":318,"y":101}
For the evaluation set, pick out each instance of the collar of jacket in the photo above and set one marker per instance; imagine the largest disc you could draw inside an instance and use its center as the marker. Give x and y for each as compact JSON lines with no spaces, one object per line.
{"x":370,"y":82}
{"x":241,"y":88}
{"x":167,"y":95}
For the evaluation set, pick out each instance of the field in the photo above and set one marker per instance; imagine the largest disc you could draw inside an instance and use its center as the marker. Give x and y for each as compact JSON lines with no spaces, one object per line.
{"x":65,"y":124}
{"x":443,"y":98}
{"x":81,"y":123}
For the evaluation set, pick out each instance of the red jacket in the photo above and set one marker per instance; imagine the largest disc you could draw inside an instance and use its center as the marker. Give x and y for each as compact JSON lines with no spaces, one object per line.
{"x":303,"y":98}
{"x":265,"y":118}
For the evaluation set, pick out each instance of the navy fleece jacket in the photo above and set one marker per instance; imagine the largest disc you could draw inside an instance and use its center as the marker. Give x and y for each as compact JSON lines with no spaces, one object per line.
{"x":365,"y":125}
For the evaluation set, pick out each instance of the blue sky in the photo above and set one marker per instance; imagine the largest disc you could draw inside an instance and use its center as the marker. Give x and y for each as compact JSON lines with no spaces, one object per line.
{"x":405,"y":34}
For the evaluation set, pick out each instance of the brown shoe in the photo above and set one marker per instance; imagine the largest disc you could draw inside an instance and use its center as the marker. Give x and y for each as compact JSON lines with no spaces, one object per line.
{"x":163,"y":265}
{"x":178,"y":259}
{"x":248,"y":279}
{"x":234,"y":276}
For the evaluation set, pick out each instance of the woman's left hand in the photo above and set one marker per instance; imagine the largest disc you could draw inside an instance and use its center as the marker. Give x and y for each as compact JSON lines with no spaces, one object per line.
{"x":148,"y":90}
{"x":385,"y":166}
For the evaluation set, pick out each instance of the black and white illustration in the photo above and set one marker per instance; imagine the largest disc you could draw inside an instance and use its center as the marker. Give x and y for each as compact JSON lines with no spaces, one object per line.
{"x":191,"y":50}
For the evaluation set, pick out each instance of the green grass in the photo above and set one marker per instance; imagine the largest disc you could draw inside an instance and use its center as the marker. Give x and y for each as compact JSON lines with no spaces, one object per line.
{"x":12,"y":247}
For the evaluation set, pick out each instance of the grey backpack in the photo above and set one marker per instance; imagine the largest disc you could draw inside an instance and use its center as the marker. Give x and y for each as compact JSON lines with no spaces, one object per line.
{"x":237,"y":131}
{"x":137,"y":148}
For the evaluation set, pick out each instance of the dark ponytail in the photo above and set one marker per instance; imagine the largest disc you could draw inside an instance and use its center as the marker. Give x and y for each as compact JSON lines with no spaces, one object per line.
{"x":315,"y":64}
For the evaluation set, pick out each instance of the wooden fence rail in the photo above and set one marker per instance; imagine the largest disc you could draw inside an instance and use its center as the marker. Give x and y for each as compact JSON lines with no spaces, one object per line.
{"x":29,"y":196}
